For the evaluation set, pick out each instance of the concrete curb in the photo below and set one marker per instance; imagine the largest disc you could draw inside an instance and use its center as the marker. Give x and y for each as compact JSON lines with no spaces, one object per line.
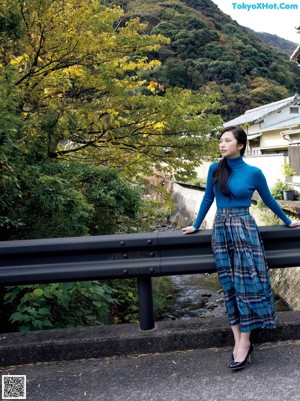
{"x":115,"y":340}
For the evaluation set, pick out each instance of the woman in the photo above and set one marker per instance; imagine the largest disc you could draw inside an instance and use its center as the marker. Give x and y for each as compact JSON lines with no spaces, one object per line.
{"x":236,"y":243}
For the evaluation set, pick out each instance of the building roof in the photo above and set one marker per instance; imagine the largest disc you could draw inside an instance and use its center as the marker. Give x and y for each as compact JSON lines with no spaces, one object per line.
{"x":296,"y":55}
{"x":258,"y":113}
{"x":291,"y":122}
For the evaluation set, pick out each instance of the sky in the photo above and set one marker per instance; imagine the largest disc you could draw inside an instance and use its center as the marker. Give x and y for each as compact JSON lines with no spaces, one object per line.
{"x":278,"y":17}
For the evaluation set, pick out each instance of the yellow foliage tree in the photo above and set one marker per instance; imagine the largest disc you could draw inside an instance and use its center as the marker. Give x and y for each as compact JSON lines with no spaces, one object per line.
{"x":78,"y":65}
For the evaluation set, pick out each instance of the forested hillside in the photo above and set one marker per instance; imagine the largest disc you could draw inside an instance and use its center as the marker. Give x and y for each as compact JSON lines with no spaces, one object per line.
{"x":276,"y":42}
{"x":210,"y":52}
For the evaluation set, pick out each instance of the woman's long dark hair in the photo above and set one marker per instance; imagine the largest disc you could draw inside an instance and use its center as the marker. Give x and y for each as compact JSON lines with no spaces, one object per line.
{"x":222,"y":172}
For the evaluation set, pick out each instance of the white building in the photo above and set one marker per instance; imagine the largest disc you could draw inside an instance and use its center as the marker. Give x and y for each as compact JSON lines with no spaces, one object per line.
{"x":274,"y":138}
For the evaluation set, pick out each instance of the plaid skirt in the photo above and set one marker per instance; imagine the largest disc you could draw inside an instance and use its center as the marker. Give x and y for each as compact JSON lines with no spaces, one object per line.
{"x":242,"y":269}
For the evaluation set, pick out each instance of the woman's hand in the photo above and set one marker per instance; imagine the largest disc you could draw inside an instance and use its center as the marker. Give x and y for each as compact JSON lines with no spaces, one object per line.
{"x":190,"y":230}
{"x":294,"y":223}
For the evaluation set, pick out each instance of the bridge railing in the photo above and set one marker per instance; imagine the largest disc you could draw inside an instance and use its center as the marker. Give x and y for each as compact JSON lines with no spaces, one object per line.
{"x":140,"y":256}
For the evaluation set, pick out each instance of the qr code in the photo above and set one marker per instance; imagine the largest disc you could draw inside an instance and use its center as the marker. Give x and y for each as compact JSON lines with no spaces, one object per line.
{"x":14,"y":387}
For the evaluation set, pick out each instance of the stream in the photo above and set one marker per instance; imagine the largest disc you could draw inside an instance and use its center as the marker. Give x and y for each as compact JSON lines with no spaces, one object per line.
{"x":198,"y":295}
{"x":201,"y":296}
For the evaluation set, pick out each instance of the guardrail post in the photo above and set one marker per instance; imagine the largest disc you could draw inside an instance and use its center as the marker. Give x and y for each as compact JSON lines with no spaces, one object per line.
{"x":146,"y":303}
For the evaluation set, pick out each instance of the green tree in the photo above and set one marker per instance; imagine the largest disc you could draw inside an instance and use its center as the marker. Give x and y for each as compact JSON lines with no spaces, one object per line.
{"x":78,"y":67}
{"x":10,"y":191}
{"x":189,"y":44}
{"x":263,"y":91}
{"x":66,"y":199}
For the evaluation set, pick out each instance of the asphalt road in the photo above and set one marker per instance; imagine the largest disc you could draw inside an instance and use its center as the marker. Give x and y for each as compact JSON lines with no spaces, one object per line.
{"x":192,"y":375}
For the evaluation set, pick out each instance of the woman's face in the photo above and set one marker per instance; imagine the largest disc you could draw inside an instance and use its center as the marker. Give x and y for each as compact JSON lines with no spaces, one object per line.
{"x":229,"y":146}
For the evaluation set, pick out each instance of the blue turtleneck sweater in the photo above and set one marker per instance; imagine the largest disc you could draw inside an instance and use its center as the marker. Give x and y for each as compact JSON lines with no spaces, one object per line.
{"x":243,"y":181}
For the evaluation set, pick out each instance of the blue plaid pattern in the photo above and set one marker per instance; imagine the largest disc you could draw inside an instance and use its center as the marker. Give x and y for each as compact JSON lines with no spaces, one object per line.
{"x":243,"y":270}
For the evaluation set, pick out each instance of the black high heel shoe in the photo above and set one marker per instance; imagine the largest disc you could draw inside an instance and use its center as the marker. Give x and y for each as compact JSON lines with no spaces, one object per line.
{"x":240,"y":365}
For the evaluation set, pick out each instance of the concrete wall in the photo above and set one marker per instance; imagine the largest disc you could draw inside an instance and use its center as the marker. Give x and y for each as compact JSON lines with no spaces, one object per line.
{"x":270,"y":166}
{"x":286,"y":283}
{"x":187,"y":203}
{"x":202,"y":171}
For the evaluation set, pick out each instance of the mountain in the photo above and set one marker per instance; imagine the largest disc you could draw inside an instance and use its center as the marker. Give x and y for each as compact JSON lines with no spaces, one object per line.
{"x":210,"y":52}
{"x":276,"y":42}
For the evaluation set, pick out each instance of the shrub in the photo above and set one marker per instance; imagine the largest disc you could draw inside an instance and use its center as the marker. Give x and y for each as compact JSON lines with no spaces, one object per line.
{"x":278,"y":189}
{"x":58,"y":305}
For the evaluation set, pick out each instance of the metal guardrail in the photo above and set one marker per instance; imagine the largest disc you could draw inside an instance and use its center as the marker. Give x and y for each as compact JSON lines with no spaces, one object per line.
{"x":141,"y":256}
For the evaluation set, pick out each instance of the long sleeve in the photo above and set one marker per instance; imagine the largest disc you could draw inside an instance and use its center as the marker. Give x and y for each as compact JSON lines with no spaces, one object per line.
{"x":269,"y":200}
{"x":243,"y":181}
{"x":208,"y":197}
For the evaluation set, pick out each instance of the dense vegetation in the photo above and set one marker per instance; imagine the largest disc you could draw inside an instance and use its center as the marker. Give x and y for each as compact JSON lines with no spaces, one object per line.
{"x":277,"y":43}
{"x":209,"y":52}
